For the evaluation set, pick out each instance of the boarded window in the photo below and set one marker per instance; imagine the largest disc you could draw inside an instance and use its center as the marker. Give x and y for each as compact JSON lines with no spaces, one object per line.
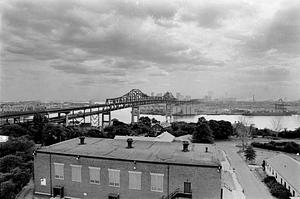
{"x":135,"y":180}
{"x":114,"y":177}
{"x":59,"y":171}
{"x":76,"y":173}
{"x":94,"y":175}
{"x":157,"y":180}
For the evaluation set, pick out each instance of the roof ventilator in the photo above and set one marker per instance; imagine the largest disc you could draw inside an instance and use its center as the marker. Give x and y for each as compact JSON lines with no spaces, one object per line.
{"x":185,"y":146}
{"x":129,"y":143}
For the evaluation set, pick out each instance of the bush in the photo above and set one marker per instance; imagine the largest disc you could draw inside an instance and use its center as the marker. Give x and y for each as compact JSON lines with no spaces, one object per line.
{"x":250,"y":153}
{"x":9,"y":162}
{"x":276,"y":189}
{"x":7,"y":190}
{"x":289,"y":147}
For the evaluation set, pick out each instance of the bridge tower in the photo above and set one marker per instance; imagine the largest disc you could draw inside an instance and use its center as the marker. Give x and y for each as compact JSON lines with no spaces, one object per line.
{"x":135,"y":114}
{"x":106,"y":119}
{"x":169,"y":109}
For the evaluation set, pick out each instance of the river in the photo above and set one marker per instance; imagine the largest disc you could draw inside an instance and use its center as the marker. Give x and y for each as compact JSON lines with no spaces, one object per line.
{"x":288,"y":122}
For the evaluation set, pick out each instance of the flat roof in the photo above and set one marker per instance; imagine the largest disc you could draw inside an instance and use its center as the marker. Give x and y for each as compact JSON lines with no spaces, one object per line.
{"x":288,"y":168}
{"x":146,"y":151}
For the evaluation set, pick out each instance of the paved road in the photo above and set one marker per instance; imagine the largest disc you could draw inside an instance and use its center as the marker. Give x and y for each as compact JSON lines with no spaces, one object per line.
{"x":253,"y":187}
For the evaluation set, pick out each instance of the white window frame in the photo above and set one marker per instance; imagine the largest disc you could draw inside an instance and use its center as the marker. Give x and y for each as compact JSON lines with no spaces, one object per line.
{"x":76,"y":166}
{"x":94,"y":181}
{"x":154,"y":182}
{"x":113,"y":182}
{"x":59,"y":177}
{"x":137,"y":185}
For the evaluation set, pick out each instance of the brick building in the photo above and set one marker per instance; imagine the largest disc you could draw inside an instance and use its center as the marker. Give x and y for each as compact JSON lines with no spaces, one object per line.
{"x":110,"y":168}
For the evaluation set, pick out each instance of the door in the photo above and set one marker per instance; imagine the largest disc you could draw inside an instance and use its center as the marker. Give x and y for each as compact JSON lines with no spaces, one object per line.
{"x":187,"y":187}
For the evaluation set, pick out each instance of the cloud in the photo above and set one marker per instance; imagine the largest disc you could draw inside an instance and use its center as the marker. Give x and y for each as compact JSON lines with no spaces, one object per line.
{"x":280,"y":33}
{"x":135,"y":43}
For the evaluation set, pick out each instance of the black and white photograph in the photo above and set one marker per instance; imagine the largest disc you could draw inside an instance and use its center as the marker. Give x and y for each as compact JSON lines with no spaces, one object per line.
{"x":149,"y":99}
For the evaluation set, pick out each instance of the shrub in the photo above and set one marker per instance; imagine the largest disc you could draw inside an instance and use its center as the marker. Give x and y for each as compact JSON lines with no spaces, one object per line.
{"x":7,"y":190}
{"x":9,"y":162}
{"x":276,"y":189}
{"x":250,"y":153}
{"x":289,"y":147}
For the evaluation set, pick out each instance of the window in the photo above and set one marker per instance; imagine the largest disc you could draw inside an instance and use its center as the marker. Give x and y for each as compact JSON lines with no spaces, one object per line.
{"x":94,"y":175}
{"x":114,"y":177}
{"x":76,"y":173}
{"x":187,"y":187}
{"x":59,"y":171}
{"x":134,"y":180}
{"x":157,"y":180}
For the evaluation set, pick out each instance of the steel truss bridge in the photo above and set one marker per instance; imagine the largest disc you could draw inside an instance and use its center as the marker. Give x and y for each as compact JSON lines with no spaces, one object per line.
{"x":134,"y":99}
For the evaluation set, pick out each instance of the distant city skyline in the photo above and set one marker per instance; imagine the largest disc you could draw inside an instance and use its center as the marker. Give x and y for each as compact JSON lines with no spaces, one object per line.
{"x":82,"y":50}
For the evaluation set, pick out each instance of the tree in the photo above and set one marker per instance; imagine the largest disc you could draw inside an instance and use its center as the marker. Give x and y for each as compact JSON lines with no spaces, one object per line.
{"x":146,"y":121}
{"x":276,"y":125}
{"x":9,"y":162}
{"x":154,"y":121}
{"x":202,"y":134}
{"x":250,"y":153}
{"x":201,"y":119}
{"x":14,"y":130}
{"x":221,"y":129}
{"x":7,"y":190}
{"x":243,"y":130}
{"x":39,"y":122}
{"x":52,"y":133}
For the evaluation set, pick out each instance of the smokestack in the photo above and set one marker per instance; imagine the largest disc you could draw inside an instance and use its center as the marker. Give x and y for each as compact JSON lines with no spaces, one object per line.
{"x":185,"y":146}
{"x":81,"y":138}
{"x":129,"y":143}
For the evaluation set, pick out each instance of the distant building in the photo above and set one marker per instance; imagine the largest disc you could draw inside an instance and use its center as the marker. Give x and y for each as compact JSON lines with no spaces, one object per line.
{"x":286,"y":170}
{"x":112,"y":168}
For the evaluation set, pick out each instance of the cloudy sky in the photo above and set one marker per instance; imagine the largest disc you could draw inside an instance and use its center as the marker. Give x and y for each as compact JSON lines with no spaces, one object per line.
{"x":91,"y":49}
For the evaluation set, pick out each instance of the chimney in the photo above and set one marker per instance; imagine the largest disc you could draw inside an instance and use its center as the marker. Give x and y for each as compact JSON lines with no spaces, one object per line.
{"x":129,"y":143}
{"x":206,"y":149}
{"x":81,"y":138}
{"x":185,"y":146}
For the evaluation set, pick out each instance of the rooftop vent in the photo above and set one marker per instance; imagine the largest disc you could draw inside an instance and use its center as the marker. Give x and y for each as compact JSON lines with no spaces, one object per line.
{"x":129,"y":143}
{"x":185,"y":146}
{"x":81,"y":140}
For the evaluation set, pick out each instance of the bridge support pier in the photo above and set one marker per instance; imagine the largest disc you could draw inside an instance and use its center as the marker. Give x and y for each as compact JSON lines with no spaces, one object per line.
{"x":169,"y":109}
{"x":67,"y":118}
{"x":135,"y":114}
{"x":106,"y":119}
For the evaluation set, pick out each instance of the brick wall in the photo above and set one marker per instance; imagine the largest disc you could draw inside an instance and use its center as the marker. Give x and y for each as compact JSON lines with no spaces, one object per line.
{"x":206,"y":182}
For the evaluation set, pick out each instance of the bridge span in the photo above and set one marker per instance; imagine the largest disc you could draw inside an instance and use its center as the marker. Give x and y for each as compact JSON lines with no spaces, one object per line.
{"x":133,"y":99}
